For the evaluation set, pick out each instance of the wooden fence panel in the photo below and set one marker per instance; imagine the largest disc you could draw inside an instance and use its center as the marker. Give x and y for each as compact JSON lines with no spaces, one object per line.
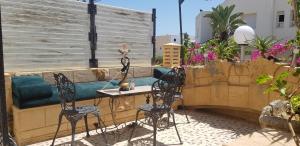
{"x":52,"y":34}
{"x":118,"y":26}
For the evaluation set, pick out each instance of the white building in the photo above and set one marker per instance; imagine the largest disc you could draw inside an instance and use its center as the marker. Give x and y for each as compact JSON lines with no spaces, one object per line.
{"x":266,"y":17}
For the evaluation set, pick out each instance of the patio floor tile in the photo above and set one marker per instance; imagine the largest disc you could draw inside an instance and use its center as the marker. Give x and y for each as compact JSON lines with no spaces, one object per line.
{"x":205,"y":129}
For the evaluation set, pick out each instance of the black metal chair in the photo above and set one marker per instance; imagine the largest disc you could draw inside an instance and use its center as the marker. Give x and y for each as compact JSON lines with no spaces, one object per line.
{"x":163,"y":91}
{"x":67,"y":95}
{"x":181,"y":75}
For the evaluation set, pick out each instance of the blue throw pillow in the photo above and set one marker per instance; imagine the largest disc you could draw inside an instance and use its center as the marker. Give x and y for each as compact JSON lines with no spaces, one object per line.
{"x":34,"y":91}
{"x":27,"y":81}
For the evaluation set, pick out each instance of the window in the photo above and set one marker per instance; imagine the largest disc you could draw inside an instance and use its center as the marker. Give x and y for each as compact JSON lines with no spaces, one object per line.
{"x":292,"y":19}
{"x":280,"y":19}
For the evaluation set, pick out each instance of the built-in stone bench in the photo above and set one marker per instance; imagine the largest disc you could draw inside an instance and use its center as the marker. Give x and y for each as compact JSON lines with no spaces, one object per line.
{"x":37,"y":120}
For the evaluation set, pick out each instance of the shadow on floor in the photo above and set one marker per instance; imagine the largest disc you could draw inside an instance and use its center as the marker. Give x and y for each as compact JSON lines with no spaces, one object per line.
{"x":266,"y":137}
{"x":276,"y":135}
{"x":217,"y":121}
{"x":205,"y":128}
{"x":116,"y":136}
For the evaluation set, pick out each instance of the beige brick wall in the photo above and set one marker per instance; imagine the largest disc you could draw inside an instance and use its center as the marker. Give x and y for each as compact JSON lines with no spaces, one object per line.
{"x":224,"y":84}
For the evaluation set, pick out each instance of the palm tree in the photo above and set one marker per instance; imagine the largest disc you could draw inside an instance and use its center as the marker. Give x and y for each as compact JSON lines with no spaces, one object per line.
{"x":296,"y":7}
{"x":262,"y":44}
{"x":224,"y":22}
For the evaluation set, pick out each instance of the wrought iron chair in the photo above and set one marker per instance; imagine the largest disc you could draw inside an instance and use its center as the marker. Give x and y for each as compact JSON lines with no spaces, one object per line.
{"x":180,"y":84}
{"x":67,"y":95}
{"x":163,"y":91}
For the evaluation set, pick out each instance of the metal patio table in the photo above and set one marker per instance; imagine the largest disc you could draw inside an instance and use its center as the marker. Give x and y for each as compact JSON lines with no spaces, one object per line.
{"x":114,"y":94}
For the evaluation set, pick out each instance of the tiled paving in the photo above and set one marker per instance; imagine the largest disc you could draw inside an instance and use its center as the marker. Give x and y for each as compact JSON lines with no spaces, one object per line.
{"x":204,"y":129}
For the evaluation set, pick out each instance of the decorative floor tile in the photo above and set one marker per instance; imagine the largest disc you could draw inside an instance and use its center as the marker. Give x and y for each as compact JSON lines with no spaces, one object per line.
{"x":204,"y":129}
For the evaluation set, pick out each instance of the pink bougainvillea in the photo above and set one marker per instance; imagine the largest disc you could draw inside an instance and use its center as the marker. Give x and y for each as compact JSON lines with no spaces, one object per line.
{"x":255,"y":54}
{"x":194,"y":56}
{"x":298,"y":61}
{"x":197,"y":58}
{"x":277,"y":49}
{"x":211,"y":56}
{"x":191,"y":50}
{"x":197,"y":45}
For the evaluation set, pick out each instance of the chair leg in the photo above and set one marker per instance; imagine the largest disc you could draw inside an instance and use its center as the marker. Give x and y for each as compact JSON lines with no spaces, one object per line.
{"x":86,"y":126}
{"x":73,"y":126}
{"x":296,"y":140}
{"x":101,"y":128}
{"x":168,"y":124}
{"x":104,"y":126}
{"x":184,"y":110}
{"x":173,"y":115}
{"x":154,"y":120}
{"x":134,"y":126}
{"x":59,"y":123}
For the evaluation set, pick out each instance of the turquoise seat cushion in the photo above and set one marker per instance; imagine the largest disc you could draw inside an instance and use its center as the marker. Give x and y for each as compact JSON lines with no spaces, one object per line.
{"x":88,"y":90}
{"x":84,"y":91}
{"x":32,"y":87}
{"x":159,"y":71}
{"x":143,"y":81}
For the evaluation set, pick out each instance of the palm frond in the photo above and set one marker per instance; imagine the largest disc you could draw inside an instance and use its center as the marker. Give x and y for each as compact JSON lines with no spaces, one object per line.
{"x":223,"y":22}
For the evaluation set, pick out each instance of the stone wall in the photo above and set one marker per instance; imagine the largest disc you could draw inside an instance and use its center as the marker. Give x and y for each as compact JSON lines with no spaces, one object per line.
{"x":232,"y":86}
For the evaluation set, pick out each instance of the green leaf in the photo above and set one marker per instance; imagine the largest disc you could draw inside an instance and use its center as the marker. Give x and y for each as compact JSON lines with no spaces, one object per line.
{"x":263,"y":79}
{"x":282,"y":75}
{"x":262,"y":43}
{"x":295,"y":103}
{"x":282,"y":91}
{"x":270,"y":89}
{"x":280,"y":83}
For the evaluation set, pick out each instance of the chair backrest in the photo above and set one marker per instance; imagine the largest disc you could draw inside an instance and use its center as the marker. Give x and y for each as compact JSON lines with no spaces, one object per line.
{"x":181,"y":76}
{"x":66,"y":91}
{"x":164,"y":90}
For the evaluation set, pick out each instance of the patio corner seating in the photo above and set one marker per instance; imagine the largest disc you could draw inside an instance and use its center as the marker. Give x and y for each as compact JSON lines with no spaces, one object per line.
{"x":34,"y":90}
{"x":36,"y":104}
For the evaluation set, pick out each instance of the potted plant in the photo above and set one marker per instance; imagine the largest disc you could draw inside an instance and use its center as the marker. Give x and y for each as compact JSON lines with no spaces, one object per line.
{"x":290,"y":93}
